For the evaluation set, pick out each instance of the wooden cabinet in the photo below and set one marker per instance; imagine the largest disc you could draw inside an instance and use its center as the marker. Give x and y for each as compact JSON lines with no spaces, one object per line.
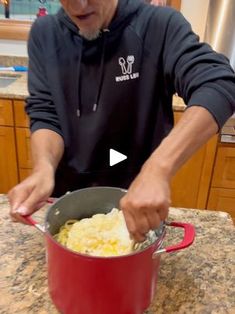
{"x":15,"y":156}
{"x":191,"y":184}
{"x":6,"y":113}
{"x":23,"y":152}
{"x":22,"y":140}
{"x":224,"y":171}
{"x":175,"y":4}
{"x":222,"y":200}
{"x":8,"y":160}
{"x":21,"y":119}
{"x":222,"y":192}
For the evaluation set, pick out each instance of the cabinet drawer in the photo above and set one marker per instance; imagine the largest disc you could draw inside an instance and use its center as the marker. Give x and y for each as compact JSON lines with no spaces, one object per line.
{"x":224,"y":170}
{"x":6,"y":112}
{"x":223,"y":200}
{"x":21,"y":119}
{"x":23,"y":148}
{"x":8,"y":164}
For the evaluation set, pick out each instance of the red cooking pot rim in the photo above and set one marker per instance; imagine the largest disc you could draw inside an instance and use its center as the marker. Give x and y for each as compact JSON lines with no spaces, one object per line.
{"x":114,"y":197}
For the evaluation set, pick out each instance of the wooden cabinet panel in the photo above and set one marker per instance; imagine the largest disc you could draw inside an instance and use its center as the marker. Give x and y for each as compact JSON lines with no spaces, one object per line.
{"x":191,"y":184}
{"x":21,"y":119}
{"x":175,"y":4}
{"x":23,"y":148}
{"x":224,"y":170}
{"x":223,"y":200}
{"x":24,"y":173}
{"x":6,"y":112}
{"x":8,"y":163}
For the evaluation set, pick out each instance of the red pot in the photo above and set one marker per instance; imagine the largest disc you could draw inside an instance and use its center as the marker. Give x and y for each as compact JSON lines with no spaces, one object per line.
{"x":82,"y":284}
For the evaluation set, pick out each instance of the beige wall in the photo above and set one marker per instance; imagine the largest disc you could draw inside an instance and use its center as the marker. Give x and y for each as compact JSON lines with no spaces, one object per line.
{"x":195,"y":11}
{"x":13,"y":48}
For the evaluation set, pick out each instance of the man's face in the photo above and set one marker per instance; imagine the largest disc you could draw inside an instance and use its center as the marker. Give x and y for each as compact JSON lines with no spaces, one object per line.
{"x":90,"y":16}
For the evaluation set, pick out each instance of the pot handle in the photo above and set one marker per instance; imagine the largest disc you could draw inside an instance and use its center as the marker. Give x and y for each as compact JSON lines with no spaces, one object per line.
{"x":189,"y":235}
{"x":32,"y":222}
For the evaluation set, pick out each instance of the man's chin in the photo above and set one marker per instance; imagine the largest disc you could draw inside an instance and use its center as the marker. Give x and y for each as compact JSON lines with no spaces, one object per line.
{"x":89,"y":35}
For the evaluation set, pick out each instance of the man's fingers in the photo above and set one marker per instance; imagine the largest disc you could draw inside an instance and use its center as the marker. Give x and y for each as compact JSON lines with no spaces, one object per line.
{"x":141,"y":227}
{"x":163,"y":212}
{"x":140,"y":224}
{"x":154,"y":220}
{"x":136,"y":228}
{"x":31,"y":204}
{"x":130,"y":222}
{"x":25,"y":204}
{"x":17,"y":217}
{"x":22,"y":210}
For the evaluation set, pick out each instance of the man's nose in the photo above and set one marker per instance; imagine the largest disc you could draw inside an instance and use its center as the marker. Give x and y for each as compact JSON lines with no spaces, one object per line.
{"x":79,"y":4}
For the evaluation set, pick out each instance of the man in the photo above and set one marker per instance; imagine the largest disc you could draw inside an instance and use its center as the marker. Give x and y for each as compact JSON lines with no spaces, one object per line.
{"x":101,"y":75}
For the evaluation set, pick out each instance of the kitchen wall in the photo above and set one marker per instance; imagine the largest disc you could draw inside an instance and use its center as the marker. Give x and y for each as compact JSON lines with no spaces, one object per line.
{"x":13,"y":48}
{"x":195,"y":12}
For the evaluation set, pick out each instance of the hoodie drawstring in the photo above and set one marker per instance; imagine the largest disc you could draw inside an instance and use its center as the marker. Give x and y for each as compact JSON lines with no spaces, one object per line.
{"x":100,"y":79}
{"x":79,"y":96}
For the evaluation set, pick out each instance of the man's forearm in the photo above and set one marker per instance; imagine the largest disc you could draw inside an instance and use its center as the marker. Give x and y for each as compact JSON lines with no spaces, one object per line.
{"x":193,"y":130}
{"x":47,"y":149}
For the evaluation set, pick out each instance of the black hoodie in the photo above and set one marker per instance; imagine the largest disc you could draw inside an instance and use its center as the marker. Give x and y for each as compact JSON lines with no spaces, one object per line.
{"x":116,"y":91}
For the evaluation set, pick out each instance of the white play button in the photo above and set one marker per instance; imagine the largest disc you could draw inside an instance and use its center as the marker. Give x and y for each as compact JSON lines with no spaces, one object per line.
{"x":115,"y":157}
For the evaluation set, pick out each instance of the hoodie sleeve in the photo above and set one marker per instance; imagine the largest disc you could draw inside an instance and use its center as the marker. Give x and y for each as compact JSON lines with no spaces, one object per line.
{"x":39,"y":104}
{"x":199,"y":75}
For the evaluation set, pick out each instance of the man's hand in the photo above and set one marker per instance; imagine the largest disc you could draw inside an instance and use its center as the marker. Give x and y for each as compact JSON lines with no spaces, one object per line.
{"x":25,"y":198}
{"x":148,"y":198}
{"x":147,"y":202}
{"x":31,"y":194}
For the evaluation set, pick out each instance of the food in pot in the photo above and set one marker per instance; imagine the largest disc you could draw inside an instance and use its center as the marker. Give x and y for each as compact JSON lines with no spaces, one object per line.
{"x":99,"y":235}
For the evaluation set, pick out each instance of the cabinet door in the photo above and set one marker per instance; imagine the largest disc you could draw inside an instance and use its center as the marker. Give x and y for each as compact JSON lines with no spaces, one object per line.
{"x":8,"y":164}
{"x":175,"y":4}
{"x":21,"y":119}
{"x":224,"y":170}
{"x":223,"y":200}
{"x":24,"y":152}
{"x":6,"y":112}
{"x":190,"y":186}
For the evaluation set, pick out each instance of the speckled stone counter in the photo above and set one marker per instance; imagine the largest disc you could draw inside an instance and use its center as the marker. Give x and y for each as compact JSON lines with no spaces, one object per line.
{"x":199,"y":279}
{"x":16,"y":90}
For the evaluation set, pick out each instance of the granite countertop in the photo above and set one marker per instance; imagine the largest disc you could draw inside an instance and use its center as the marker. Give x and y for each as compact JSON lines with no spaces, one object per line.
{"x":16,"y":90}
{"x":199,"y":279}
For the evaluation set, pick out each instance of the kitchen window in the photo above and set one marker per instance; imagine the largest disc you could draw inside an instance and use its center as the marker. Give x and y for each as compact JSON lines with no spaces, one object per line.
{"x":16,"y":16}
{"x":26,"y":9}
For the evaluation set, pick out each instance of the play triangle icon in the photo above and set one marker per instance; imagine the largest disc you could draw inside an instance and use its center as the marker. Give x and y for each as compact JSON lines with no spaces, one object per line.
{"x":115,"y":157}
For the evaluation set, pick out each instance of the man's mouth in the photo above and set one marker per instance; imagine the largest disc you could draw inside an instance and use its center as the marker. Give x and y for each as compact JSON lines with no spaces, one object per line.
{"x":83,"y":17}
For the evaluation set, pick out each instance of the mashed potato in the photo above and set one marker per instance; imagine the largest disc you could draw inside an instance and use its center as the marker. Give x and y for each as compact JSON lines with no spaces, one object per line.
{"x":100,"y":235}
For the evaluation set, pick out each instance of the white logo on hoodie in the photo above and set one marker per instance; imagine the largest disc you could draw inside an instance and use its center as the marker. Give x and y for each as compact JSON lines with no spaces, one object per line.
{"x":127,"y":69}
